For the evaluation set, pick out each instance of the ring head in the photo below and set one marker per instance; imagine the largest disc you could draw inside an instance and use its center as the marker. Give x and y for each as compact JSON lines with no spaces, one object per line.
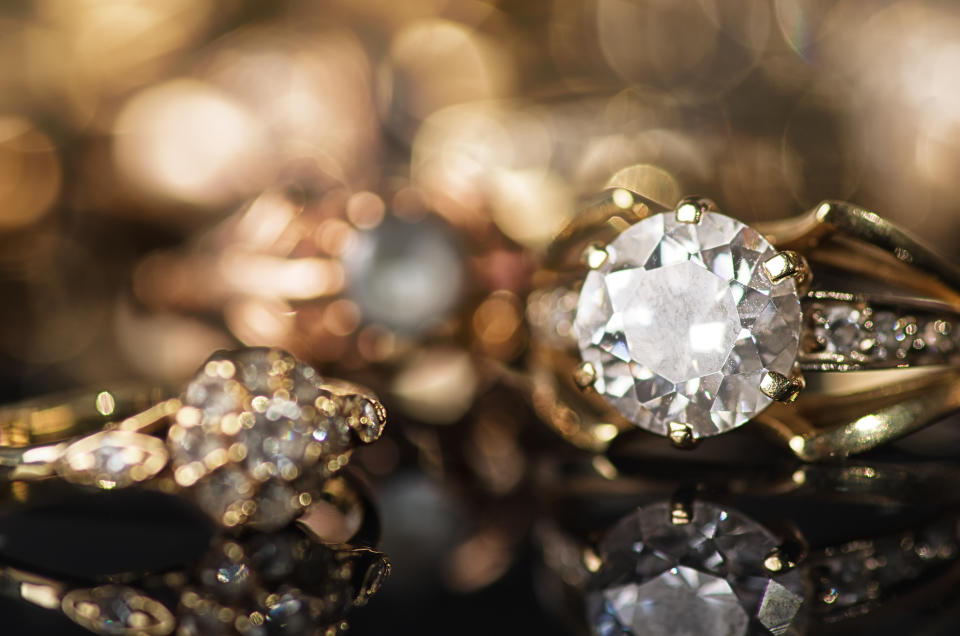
{"x":257,"y":428}
{"x":681,"y":323}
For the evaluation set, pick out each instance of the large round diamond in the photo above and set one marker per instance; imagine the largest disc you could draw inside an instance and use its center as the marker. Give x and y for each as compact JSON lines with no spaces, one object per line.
{"x":702,"y":577}
{"x":681,"y":322}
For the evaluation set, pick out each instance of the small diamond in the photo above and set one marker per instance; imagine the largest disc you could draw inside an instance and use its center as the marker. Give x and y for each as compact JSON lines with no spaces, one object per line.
{"x":840,"y":328}
{"x":681,"y":323}
{"x":115,"y":609}
{"x":701,"y":577}
{"x":113,"y":459}
{"x":289,"y":612}
{"x":227,"y":574}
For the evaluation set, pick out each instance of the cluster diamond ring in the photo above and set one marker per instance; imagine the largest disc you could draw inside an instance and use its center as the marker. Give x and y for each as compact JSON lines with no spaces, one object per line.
{"x":688,"y":323}
{"x":251,"y":439}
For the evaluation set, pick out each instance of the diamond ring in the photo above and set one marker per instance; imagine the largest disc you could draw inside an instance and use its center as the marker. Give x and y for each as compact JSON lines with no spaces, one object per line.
{"x":251,"y":440}
{"x":638,"y":557}
{"x":687,"y":323}
{"x":301,"y":578}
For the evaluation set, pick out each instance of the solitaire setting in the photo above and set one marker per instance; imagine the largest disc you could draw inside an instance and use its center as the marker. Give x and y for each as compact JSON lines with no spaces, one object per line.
{"x":685,"y":323}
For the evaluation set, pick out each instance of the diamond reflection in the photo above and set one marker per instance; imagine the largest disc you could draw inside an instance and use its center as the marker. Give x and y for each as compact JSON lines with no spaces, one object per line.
{"x":705,"y":574}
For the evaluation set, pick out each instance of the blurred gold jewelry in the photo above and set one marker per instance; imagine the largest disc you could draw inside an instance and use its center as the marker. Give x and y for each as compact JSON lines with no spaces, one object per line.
{"x":298,"y":575}
{"x":251,"y":440}
{"x":385,"y":287}
{"x":689,"y":323}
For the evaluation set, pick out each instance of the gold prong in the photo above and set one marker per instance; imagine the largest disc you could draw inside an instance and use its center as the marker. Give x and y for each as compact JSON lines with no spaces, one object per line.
{"x":681,"y":508}
{"x":779,"y":387}
{"x":787,"y":264}
{"x":776,"y":561}
{"x":682,"y":435}
{"x":788,"y":554}
{"x":594,"y":256}
{"x":585,"y":375}
{"x":591,"y":560}
{"x":690,"y":209}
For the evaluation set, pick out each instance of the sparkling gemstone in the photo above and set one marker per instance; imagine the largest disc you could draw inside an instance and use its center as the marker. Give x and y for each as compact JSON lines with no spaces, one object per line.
{"x":227,"y":574}
{"x":840,"y":328}
{"x":701,"y":577}
{"x":681,"y":322}
{"x":113,"y":459}
{"x":115,"y":609}
{"x":289,"y":612}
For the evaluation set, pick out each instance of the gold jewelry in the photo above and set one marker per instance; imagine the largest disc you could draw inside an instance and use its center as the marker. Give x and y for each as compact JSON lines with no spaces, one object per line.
{"x":295,"y":576}
{"x":350,"y":280}
{"x":251,"y":440}
{"x":690,"y":323}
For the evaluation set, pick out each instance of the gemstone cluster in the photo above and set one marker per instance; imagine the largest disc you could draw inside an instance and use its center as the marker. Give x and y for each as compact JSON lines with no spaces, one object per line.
{"x":252,"y":422}
{"x":680,"y":322}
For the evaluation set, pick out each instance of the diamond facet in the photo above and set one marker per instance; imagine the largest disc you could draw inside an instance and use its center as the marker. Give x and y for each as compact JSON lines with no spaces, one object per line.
{"x":701,"y":577}
{"x":681,"y":322}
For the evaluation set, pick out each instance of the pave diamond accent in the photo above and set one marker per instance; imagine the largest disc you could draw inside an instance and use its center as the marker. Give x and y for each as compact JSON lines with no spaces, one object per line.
{"x":842,"y":332}
{"x":681,"y":323}
{"x":701,"y":577}
{"x":853,"y":578}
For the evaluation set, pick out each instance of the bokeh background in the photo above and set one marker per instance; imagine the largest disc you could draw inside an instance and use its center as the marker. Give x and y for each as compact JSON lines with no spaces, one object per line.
{"x":368,"y":183}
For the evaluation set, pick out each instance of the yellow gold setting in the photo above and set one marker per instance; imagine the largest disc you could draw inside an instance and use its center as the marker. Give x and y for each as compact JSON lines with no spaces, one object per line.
{"x":840,"y":331}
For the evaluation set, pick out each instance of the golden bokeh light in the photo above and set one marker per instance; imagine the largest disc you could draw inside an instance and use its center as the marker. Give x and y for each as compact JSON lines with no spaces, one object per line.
{"x":188,"y":142}
{"x":437,"y":63}
{"x":30,"y":173}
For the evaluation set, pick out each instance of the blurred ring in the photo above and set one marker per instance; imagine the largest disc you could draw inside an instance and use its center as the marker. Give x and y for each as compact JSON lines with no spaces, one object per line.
{"x":251,"y":440}
{"x":688,"y":323}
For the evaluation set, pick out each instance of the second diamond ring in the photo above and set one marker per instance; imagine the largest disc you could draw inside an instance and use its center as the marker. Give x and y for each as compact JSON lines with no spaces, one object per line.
{"x":251,"y":440}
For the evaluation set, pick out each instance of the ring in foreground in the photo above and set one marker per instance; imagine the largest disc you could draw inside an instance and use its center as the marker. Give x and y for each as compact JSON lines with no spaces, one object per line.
{"x":252,"y":439}
{"x":688,"y":323}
